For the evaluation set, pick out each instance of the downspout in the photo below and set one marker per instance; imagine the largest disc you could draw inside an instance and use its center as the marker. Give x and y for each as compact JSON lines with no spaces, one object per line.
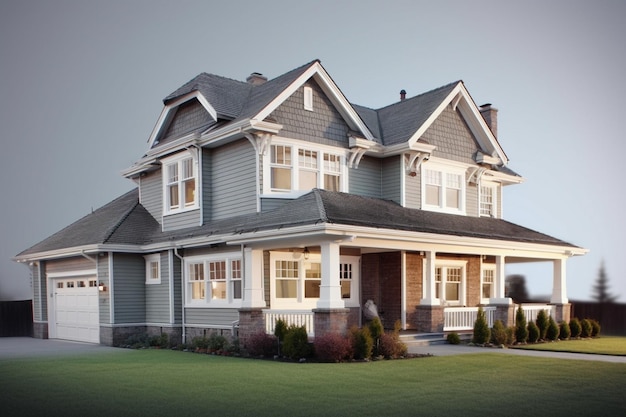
{"x":182,"y":293}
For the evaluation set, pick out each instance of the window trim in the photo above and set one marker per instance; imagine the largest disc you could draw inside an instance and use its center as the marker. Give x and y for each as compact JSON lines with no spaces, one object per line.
{"x":494,"y":198}
{"x":487,"y":267}
{"x":308,"y":98}
{"x":205,"y":260}
{"x":150,"y":259}
{"x":323,"y":169}
{"x":178,"y":160}
{"x":444,"y":264}
{"x":300,"y":302}
{"x":444,"y":171}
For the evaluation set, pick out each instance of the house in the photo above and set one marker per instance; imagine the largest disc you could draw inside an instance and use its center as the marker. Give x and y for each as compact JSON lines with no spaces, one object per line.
{"x":279,"y":198}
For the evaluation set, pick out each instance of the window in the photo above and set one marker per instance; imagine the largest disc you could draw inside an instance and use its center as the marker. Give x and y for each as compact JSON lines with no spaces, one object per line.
{"x":487,"y":286}
{"x":296,"y":282}
{"x":450,"y":282}
{"x":292,"y":168}
{"x":214,"y":280}
{"x":487,"y":200}
{"x":443,"y":190}
{"x":153,"y":269}
{"x":308,"y":98}
{"x":180,"y":184}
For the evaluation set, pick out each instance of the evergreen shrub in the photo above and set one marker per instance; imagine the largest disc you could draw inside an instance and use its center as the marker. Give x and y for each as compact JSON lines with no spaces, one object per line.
{"x":521,"y":330}
{"x":585,"y":328}
{"x":296,"y":343}
{"x":280,"y":329}
{"x":564,"y":330}
{"x":574,"y":326}
{"x":376,"y":331}
{"x":553,"y":330}
{"x":510,"y":335}
{"x":533,"y":332}
{"x":482,"y":333}
{"x":362,"y":342}
{"x":542,"y":323}
{"x":453,"y":338}
{"x":391,"y":347}
{"x":498,"y":333}
{"x":595,"y":328}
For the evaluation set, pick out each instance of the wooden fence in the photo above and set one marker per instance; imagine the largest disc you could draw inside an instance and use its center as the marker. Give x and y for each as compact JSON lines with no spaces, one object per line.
{"x":16,"y":318}
{"x":612,"y":316}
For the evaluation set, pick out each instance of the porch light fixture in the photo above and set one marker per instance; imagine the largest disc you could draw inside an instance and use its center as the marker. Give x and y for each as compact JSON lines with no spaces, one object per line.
{"x":306,"y":253}
{"x":102,"y":287}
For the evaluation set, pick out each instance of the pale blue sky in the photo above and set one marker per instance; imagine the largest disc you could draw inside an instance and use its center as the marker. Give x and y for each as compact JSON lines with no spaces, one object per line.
{"x":81,"y":84}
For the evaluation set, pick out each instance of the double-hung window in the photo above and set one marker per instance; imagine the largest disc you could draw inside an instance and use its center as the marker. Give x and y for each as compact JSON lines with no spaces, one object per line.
{"x":488,"y":200}
{"x":450,"y":282}
{"x":293,"y":168}
{"x":487,"y":282}
{"x":153,"y":269}
{"x":180,"y":175}
{"x":443,"y":189}
{"x":214,"y":280}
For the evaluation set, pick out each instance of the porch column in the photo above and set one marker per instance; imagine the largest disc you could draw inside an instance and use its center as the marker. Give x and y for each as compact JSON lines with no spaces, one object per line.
{"x":430,"y":298}
{"x":499,"y":296}
{"x":330,"y":288}
{"x":559,"y":293}
{"x":253,"y":295}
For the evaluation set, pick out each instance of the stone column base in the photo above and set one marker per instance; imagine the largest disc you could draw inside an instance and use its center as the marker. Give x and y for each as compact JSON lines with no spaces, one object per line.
{"x":40,"y":330}
{"x":333,"y":320}
{"x":429,"y":319}
{"x":562,"y":312}
{"x":506,"y":314}
{"x":251,"y":322}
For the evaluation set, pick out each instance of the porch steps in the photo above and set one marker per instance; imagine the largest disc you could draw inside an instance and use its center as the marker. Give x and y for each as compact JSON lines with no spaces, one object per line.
{"x":427,"y":339}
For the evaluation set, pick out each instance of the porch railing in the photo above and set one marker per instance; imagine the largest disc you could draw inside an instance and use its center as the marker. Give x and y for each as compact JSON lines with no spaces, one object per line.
{"x":463,"y":318}
{"x":531,"y":311}
{"x":290,"y":317}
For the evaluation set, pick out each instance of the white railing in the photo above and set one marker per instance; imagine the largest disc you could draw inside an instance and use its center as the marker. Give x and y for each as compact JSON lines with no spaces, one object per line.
{"x":463,"y":318}
{"x":531,"y":311}
{"x":290,"y":317}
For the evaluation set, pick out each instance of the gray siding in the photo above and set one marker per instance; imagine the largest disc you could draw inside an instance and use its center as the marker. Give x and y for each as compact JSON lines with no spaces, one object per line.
{"x":182,"y":220}
{"x":40,"y":291}
{"x":499,"y":210}
{"x":190,"y":116}
{"x":233,"y":170}
{"x":207,"y":183}
{"x":104,"y":308}
{"x":79,"y":263}
{"x":151,"y":194}
{"x":413,"y":191}
{"x":322,"y":125}
{"x":391,"y":178}
{"x":129,"y":275}
{"x":272,"y":203}
{"x":366,"y":180}
{"x":158,"y":295}
{"x":471,"y":200}
{"x":453,"y":139}
{"x":211,"y":316}
{"x":178,"y":298}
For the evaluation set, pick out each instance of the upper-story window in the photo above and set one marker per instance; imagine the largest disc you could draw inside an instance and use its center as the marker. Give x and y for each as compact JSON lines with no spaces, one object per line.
{"x":180,"y":181}
{"x":294,"y":168}
{"x":443,"y":189}
{"x":488,"y":200}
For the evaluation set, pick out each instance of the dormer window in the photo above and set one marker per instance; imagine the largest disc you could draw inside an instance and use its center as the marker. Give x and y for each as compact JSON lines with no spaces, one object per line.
{"x":443,"y":189}
{"x":180,"y":175}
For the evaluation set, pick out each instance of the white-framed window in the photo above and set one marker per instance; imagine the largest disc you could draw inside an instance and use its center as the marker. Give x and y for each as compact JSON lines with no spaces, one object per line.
{"x":450,"y":279}
{"x":180,"y":183}
{"x":443,"y":188}
{"x":153,"y":269}
{"x":488,"y":199}
{"x":295,"y":281}
{"x":214,"y":280}
{"x":308,"y":98}
{"x":293,"y":169}
{"x":487,"y":282}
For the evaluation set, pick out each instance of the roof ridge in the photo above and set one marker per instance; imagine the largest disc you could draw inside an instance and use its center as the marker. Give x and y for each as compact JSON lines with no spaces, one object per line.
{"x":320,"y":204}
{"x":123,"y":218}
{"x":420,"y":95}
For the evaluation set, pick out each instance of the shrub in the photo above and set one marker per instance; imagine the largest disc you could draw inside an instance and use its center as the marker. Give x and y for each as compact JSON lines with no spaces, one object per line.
{"x":564,"y":330}
{"x":542,"y":323}
{"x":216,"y":342}
{"x":200,"y":343}
{"x":137,"y":341}
{"x":553,"y":330}
{"x":296,"y":343}
{"x":498,"y":333}
{"x":533,"y":332}
{"x":261,"y":344}
{"x":332,"y":347}
{"x":362,"y":342}
{"x":510,"y":335}
{"x":595,"y":328}
{"x":482,"y":333}
{"x":391,"y":347}
{"x":585,"y":327}
{"x":453,"y":338}
{"x":280,"y":329}
{"x":521,"y":331}
{"x":376,"y":331}
{"x":574,"y":325}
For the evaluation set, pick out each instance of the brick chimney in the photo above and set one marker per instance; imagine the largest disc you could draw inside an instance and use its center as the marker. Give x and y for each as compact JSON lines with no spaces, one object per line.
{"x":256,"y":78}
{"x":402,"y":95}
{"x":490,"y":114}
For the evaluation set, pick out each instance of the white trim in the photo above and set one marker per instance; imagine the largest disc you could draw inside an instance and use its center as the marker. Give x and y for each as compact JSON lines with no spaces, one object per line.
{"x":207,"y":302}
{"x":444,"y":170}
{"x":71,"y":274}
{"x":487,"y":267}
{"x":177,"y":160}
{"x":111,"y":289}
{"x":170,"y":273}
{"x":149,"y":259}
{"x":308,"y":98}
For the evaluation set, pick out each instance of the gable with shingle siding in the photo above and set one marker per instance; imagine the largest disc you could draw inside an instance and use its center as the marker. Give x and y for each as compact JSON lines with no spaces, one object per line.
{"x":323,"y":125}
{"x":190,"y":117}
{"x":452,"y":137}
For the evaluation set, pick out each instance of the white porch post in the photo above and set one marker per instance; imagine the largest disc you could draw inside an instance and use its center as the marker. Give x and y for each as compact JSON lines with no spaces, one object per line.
{"x":429,"y":283}
{"x":499,"y":296}
{"x":330,"y":288}
{"x":559,"y":293}
{"x":253,"y":296}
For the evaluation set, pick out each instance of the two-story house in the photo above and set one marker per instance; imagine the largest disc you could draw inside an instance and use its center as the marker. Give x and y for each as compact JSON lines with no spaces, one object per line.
{"x":279,"y":198}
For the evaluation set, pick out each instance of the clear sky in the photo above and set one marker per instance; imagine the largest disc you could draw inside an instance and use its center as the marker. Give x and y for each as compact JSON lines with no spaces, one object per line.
{"x":82,"y":83}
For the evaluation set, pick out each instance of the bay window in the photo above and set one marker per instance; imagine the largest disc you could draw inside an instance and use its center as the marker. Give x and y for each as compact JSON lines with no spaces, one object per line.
{"x":214,"y":280}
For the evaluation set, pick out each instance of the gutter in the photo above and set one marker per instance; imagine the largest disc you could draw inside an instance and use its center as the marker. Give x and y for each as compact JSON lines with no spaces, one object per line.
{"x":182,"y":293}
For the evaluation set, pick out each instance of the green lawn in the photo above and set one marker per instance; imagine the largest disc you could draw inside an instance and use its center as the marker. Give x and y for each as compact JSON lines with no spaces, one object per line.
{"x":605,"y":345}
{"x":161,"y":382}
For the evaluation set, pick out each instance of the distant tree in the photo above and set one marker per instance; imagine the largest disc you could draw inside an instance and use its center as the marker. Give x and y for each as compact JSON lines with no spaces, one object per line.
{"x":516,"y":289}
{"x":601,"y":288}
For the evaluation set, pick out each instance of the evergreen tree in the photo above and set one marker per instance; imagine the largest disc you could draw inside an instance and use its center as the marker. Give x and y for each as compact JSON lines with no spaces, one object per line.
{"x":601,"y":288}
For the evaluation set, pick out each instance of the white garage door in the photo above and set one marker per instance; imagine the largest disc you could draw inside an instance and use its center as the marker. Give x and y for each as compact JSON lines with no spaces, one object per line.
{"x":76,"y":310}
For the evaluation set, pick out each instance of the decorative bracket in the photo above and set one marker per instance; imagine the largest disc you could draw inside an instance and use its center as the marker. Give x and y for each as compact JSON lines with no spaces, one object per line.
{"x":413,"y":161}
{"x":261,"y":141}
{"x":355,"y":157}
{"x":474,"y":174}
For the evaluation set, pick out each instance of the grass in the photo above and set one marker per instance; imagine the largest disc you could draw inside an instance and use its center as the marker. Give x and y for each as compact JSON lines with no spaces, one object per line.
{"x":161,"y":382}
{"x":605,"y":345}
